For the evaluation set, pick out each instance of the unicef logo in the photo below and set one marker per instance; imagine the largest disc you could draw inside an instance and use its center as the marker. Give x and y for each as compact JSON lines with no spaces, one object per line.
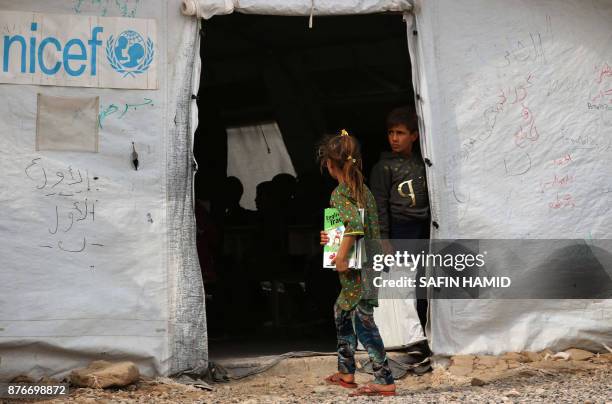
{"x":129,"y":54}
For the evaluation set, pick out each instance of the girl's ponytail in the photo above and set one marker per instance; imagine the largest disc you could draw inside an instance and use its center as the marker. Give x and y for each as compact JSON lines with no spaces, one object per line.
{"x":343,"y":151}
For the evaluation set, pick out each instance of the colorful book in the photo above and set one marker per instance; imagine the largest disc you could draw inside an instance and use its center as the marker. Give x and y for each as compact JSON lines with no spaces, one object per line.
{"x":334,"y":227}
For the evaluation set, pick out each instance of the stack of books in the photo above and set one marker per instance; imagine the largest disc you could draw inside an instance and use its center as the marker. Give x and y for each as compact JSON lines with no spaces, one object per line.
{"x":334,"y":227}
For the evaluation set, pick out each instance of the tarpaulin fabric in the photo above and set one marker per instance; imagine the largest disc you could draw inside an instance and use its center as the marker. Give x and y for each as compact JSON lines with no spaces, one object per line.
{"x":98,"y":257}
{"x":396,"y":315}
{"x":516,"y":123}
{"x":210,"y":8}
{"x":207,"y":8}
{"x":398,"y":323}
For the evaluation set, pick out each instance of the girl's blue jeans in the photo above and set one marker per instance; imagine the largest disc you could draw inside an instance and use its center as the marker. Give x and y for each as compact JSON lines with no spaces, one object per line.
{"x":358,"y":324}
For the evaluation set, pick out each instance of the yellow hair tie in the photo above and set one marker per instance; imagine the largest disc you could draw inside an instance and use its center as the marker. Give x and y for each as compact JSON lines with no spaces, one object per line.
{"x":343,"y":132}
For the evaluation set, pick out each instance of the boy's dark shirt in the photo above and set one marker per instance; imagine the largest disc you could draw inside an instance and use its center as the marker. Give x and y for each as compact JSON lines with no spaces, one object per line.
{"x":392,"y":170}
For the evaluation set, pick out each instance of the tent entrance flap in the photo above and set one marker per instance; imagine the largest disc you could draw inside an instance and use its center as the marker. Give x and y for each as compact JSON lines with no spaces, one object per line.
{"x":208,"y":8}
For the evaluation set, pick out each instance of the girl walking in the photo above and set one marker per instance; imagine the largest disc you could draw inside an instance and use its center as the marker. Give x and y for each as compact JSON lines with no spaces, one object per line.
{"x":354,"y":308}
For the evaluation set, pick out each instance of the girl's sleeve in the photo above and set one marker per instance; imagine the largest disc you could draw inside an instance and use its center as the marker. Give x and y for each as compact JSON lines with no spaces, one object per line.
{"x":349,"y":214}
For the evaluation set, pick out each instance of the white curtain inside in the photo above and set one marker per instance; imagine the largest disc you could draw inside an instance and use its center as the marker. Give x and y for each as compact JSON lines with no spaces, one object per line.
{"x":256,"y":153}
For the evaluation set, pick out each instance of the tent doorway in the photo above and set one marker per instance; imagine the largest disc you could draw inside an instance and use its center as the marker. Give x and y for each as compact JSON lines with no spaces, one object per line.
{"x":270,"y":88}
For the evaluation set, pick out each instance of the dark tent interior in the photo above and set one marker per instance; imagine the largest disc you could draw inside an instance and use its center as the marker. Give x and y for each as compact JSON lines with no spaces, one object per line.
{"x":276,"y":80}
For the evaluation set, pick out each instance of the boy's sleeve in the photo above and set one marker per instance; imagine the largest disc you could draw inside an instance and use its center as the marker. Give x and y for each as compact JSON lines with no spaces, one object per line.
{"x":380,"y":184}
{"x":353,"y":226}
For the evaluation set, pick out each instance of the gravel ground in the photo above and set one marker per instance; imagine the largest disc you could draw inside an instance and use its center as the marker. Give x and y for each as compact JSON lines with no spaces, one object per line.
{"x":490,"y":380}
{"x":582,"y":387}
{"x":592,"y":386}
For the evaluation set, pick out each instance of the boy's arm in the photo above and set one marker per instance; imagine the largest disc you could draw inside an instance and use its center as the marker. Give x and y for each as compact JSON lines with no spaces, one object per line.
{"x":380,"y":184}
{"x":342,"y":258}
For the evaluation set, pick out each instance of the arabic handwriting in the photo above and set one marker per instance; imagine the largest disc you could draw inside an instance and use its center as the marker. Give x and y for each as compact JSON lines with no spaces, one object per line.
{"x":123,"y":107}
{"x":73,"y":208}
{"x":60,"y":244}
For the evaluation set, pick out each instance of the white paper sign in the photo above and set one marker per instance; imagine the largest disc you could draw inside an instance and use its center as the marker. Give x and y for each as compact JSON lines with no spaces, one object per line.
{"x":67,"y":123}
{"x":77,"y":50}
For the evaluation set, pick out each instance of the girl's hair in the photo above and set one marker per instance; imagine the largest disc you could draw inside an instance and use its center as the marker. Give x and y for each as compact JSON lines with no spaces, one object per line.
{"x":343,"y":152}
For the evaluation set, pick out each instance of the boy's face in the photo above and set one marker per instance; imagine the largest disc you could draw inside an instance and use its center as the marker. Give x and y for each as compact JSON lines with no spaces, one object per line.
{"x":400,"y":139}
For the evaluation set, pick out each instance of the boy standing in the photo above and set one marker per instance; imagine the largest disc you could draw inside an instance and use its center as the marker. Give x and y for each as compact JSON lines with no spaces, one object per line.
{"x":399,"y":185}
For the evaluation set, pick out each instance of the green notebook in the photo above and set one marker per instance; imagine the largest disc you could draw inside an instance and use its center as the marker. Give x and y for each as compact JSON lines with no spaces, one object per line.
{"x":334,"y":227}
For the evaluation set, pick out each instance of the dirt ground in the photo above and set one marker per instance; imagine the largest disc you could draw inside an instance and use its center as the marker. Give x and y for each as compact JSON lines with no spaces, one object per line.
{"x":514,"y":377}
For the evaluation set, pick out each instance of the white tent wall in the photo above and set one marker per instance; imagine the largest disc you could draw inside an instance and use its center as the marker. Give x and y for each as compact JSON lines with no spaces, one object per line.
{"x":135,"y":291}
{"x":512,"y":96}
